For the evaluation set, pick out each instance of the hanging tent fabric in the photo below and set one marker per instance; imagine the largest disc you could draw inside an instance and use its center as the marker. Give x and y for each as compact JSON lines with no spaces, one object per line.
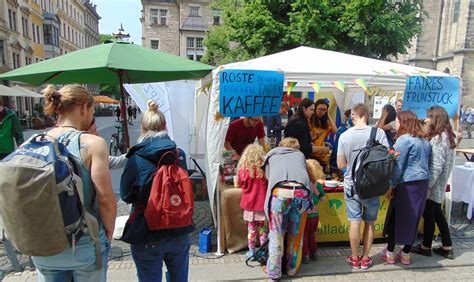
{"x":305,"y":66}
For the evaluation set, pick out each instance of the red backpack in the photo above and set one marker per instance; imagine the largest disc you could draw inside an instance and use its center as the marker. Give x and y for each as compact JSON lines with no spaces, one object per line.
{"x":171,"y":200}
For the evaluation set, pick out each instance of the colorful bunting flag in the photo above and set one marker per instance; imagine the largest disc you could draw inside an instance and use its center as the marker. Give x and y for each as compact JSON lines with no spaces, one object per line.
{"x":316,"y":86}
{"x":340,"y":85}
{"x":290,"y":86}
{"x":395,"y":71}
{"x":362,"y":84}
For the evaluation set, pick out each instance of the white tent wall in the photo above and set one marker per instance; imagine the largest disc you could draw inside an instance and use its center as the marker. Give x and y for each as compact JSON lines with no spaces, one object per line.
{"x":176,"y":100}
{"x":201,"y":106}
{"x":304,"y":65}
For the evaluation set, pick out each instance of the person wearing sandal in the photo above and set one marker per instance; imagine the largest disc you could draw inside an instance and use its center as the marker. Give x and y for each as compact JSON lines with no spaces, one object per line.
{"x":443,"y":143}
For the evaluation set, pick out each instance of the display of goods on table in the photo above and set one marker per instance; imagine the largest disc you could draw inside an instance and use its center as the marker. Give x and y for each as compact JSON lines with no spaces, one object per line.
{"x":228,"y":167}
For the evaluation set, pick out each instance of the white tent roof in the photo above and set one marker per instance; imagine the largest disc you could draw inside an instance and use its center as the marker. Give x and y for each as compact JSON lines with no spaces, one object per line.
{"x":305,"y":65}
{"x":17,"y":91}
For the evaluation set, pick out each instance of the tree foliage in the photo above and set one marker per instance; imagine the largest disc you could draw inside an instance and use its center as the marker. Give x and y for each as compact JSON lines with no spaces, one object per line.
{"x":104,"y":37}
{"x":371,"y":28}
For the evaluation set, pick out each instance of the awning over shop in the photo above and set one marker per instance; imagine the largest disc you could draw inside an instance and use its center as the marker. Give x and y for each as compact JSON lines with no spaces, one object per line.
{"x":105,"y":100}
{"x":17,"y":91}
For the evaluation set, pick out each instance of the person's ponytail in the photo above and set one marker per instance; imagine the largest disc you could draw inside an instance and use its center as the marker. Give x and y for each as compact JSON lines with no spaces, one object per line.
{"x":52,"y":100}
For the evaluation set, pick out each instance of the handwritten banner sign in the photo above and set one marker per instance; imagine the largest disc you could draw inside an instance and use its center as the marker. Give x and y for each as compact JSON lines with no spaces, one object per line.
{"x":421,"y":93}
{"x":250,"y":92}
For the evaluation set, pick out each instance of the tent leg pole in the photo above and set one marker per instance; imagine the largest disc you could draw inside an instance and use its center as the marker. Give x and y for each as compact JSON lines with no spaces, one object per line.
{"x":219,"y":227}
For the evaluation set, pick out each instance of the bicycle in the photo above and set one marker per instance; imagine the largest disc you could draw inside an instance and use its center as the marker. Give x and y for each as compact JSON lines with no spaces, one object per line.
{"x":117,"y":142}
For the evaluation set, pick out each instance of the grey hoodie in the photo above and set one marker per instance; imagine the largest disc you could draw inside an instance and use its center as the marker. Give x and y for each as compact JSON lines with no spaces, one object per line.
{"x":284,"y":164}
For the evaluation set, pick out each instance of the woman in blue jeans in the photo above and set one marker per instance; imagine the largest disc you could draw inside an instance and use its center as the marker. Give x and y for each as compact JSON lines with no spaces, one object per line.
{"x":151,"y":248}
{"x":409,"y":190}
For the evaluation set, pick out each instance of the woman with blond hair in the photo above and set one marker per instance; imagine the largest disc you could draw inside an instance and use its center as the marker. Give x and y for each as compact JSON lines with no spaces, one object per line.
{"x":74,"y":106}
{"x":443,"y":143}
{"x":151,"y":247}
{"x":254,"y":188}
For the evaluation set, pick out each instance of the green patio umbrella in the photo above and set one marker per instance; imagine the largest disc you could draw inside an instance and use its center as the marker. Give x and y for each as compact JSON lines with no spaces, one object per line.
{"x":112,"y":62}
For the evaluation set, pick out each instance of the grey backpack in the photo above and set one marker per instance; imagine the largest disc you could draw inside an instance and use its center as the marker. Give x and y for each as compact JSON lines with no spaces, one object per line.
{"x":41,"y":197}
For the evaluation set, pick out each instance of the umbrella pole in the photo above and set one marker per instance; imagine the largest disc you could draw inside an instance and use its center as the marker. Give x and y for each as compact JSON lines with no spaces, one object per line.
{"x":123,"y":111}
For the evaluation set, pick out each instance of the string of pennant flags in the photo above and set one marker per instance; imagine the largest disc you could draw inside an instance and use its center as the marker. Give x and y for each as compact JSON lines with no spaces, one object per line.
{"x":341,"y":85}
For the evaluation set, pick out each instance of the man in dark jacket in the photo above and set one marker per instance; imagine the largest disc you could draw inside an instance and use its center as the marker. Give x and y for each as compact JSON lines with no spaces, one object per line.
{"x":10,"y":131}
{"x":274,"y":123}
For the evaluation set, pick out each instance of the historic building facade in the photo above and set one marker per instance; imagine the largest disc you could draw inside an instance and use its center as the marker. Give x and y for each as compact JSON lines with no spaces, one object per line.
{"x":446,"y":42}
{"x":177,"y":26}
{"x":36,"y":30}
{"x":91,"y":24}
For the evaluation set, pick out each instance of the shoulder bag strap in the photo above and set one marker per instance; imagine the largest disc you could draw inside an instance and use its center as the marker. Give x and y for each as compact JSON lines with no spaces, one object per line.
{"x":373,"y":135}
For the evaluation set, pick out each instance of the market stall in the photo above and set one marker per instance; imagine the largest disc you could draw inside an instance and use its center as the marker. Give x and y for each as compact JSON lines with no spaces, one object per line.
{"x":308,"y":70}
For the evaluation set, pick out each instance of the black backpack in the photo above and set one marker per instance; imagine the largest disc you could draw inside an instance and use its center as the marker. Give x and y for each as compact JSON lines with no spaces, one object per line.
{"x":372,"y":177}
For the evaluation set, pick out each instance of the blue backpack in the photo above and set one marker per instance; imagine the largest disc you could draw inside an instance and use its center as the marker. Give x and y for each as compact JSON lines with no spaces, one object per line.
{"x":41,"y":197}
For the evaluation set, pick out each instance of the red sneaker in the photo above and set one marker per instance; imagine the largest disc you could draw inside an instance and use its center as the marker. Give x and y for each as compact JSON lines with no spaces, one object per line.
{"x":353,"y":262}
{"x":366,"y":263}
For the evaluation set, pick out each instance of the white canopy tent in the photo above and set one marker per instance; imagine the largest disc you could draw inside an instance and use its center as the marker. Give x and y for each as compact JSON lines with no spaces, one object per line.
{"x":17,"y":91}
{"x":304,"y":66}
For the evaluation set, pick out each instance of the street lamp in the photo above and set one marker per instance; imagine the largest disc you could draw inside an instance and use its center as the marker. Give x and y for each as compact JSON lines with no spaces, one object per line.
{"x":121,"y":34}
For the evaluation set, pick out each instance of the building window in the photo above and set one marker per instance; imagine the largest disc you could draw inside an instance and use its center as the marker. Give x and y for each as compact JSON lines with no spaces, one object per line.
{"x":24,"y":26}
{"x":27,"y":61}
{"x":190,"y":42}
{"x":16,"y":60}
{"x":199,"y":43}
{"x":12,"y":19}
{"x":2,"y":53}
{"x":48,"y":34}
{"x":55,"y":36}
{"x":216,"y":20}
{"x":457,"y":8}
{"x":193,"y":10}
{"x":154,"y":16}
{"x":34,"y":32}
{"x":38,"y":34}
{"x":163,"y":17}
{"x":155,"y":44}
{"x":194,"y":48}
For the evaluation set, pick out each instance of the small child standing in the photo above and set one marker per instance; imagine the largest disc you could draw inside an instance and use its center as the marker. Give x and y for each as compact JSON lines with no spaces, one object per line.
{"x":254,"y":188}
{"x":315,"y":172}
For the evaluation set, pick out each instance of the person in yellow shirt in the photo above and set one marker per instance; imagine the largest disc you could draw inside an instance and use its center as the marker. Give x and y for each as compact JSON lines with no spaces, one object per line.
{"x":321,"y":126}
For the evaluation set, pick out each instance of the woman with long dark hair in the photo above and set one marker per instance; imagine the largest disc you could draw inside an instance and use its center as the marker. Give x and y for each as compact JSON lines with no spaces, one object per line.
{"x":298,"y":126}
{"x":409,"y":187}
{"x":443,"y":143}
{"x":387,"y":123}
{"x":321,"y":126}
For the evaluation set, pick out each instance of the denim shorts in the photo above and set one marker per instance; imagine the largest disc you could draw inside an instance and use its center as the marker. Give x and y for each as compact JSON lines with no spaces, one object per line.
{"x":358,"y":209}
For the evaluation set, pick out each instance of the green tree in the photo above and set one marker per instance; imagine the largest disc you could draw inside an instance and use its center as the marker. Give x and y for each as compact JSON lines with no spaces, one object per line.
{"x":105,"y":37}
{"x":371,"y":28}
{"x":111,"y":90}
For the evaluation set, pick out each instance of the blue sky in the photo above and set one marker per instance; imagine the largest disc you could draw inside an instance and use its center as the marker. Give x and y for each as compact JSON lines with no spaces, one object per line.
{"x":114,"y":12}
